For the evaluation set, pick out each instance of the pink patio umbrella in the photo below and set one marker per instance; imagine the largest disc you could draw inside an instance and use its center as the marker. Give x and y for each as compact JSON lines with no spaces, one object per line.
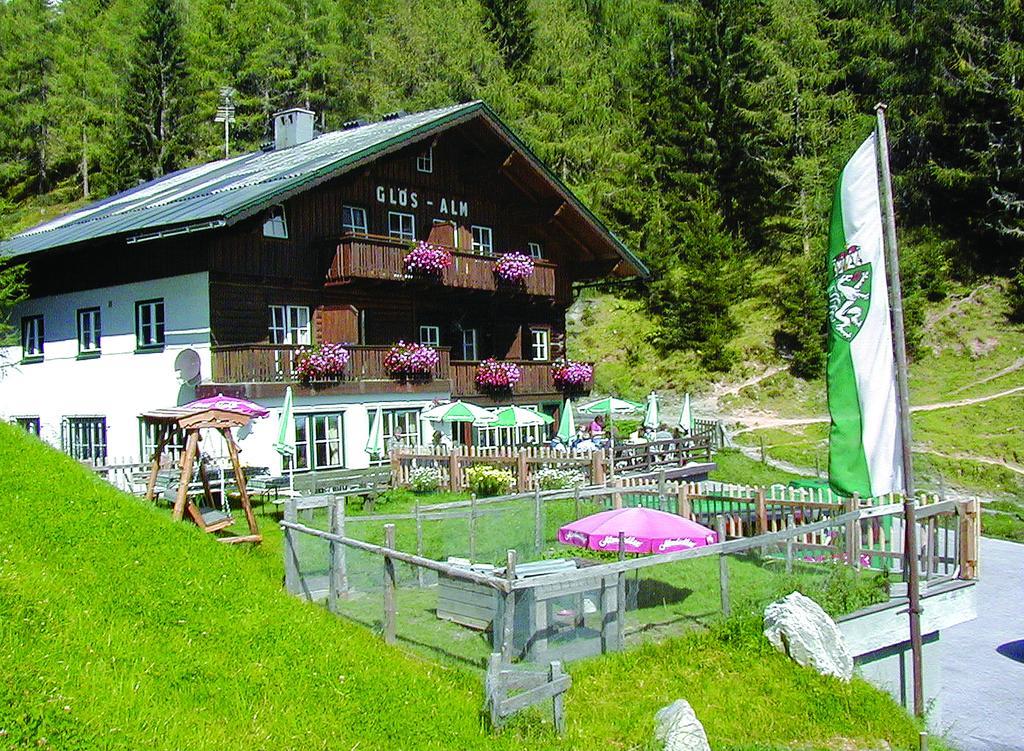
{"x":646,"y":530}
{"x":228,"y":404}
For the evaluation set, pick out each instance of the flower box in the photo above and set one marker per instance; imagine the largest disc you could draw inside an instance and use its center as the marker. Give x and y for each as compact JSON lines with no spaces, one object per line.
{"x":513,"y":268}
{"x":497,"y":377}
{"x":323,"y":362}
{"x":572,"y":376}
{"x":425,"y":259}
{"x":411,"y":360}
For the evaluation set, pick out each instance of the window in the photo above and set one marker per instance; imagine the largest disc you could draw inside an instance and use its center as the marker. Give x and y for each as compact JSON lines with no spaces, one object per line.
{"x":430,"y":335}
{"x":402,"y":226}
{"x":32,"y":338}
{"x":540,"y":340}
{"x":318,"y":441}
{"x":89,"y":331}
{"x":85,"y":438}
{"x":401,"y":428}
{"x":469,"y":351}
{"x":482,"y":240}
{"x":353,"y":220}
{"x":28,"y":424}
{"x":425,"y":161}
{"x":532,"y":435}
{"x":289,"y":324}
{"x":275,"y":225}
{"x":536,"y":250}
{"x":148,"y":433}
{"x":149,"y":324}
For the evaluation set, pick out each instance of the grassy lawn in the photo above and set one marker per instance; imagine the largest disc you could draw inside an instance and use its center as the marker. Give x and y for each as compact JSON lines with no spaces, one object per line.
{"x":122,"y":630}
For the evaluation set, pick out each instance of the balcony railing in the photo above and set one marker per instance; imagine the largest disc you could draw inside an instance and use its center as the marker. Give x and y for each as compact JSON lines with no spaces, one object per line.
{"x":374,"y":257}
{"x":536,"y":378}
{"x":275,"y":363}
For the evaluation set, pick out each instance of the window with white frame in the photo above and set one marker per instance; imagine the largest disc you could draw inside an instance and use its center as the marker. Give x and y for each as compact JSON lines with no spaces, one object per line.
{"x":430,"y":335}
{"x":536,"y":249}
{"x":29,"y":424}
{"x":149,"y":324}
{"x":518,"y":436}
{"x":89,"y":331}
{"x":32,"y":338}
{"x":483,"y":241}
{"x":540,"y":344}
{"x":401,"y":226}
{"x":319,"y":442}
{"x":353,"y":220}
{"x":425,"y":161}
{"x":289,"y":324}
{"x":401,"y":428}
{"x":149,"y":434}
{"x":275,"y":225}
{"x":85,"y":438}
{"x":469,"y":348}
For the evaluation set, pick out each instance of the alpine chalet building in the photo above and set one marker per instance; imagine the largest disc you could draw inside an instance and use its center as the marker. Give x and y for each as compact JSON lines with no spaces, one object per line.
{"x":216,"y":278}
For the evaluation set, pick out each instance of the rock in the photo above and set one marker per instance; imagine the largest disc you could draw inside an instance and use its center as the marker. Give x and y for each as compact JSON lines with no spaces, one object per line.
{"x":679,"y":729}
{"x":797,"y":626}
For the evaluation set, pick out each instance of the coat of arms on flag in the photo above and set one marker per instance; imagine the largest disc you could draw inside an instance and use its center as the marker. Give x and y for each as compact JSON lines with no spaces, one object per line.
{"x":849,"y":293}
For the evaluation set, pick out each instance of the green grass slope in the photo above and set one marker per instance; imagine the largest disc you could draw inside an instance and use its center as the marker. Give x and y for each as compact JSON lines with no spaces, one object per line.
{"x":122,"y":630}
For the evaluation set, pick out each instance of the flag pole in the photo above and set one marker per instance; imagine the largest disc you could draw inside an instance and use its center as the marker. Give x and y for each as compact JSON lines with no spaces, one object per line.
{"x":903,"y":399}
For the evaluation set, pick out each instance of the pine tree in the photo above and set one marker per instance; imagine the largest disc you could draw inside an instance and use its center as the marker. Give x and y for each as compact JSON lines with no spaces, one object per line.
{"x":510,"y":26}
{"x":157,"y":107}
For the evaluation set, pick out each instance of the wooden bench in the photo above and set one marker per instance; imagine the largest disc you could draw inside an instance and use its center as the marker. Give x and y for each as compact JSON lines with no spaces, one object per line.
{"x":364,"y":483}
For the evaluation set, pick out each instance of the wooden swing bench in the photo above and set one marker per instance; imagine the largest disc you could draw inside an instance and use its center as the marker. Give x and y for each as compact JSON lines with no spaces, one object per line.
{"x":206,"y":515}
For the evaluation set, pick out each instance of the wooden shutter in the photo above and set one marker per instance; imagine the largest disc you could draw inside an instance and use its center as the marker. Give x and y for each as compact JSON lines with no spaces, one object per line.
{"x":337,"y":323}
{"x":442,"y":233}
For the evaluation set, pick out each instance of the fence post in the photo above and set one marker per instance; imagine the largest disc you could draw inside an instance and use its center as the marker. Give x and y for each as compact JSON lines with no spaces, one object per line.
{"x":558,"y":700}
{"x":929,"y":555}
{"x":454,"y":469}
{"x":576,"y":501}
{"x":617,"y":496}
{"x":472,"y":526}
{"x":620,"y":598}
{"x":521,"y":467}
{"x":723,"y":568}
{"x":762,"y":512}
{"x":389,"y":585}
{"x":970,"y":532}
{"x":419,"y":543}
{"x":683,"y":507}
{"x":508,"y":621}
{"x":538,"y":522}
{"x":790,"y":523}
{"x":853,"y":533}
{"x":597,"y":467}
{"x":662,"y":489}
{"x":337,"y":583}
{"x":292,"y":579}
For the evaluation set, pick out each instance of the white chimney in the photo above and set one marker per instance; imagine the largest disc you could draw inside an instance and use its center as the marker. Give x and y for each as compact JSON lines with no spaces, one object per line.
{"x":292,"y":127}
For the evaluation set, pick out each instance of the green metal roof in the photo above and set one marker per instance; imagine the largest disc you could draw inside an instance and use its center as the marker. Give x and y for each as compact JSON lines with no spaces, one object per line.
{"x":226,"y":191}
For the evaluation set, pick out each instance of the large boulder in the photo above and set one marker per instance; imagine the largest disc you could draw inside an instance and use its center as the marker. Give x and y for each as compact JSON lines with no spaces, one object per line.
{"x":798,"y":627}
{"x":679,"y":729}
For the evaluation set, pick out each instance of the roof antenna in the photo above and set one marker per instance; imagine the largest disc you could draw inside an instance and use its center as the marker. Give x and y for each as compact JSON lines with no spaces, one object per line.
{"x":226,"y":114}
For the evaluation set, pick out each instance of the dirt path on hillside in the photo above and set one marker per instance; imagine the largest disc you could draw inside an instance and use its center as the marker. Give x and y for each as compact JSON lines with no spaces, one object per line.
{"x":1005,"y":371}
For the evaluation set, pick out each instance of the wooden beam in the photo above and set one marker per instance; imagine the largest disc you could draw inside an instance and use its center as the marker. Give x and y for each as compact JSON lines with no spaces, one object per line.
{"x":250,"y":517}
{"x":187,"y":460}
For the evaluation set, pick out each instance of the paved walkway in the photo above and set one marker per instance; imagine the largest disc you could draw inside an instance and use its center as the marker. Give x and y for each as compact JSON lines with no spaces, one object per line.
{"x":983,"y":659}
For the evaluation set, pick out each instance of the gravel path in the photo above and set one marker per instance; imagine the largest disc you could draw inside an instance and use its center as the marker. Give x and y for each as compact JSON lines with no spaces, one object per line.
{"x":983,"y":659}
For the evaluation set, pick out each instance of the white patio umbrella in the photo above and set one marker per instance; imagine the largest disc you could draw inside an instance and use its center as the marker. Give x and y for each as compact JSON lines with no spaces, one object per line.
{"x":651,"y":413}
{"x":375,"y":441}
{"x":686,"y":417}
{"x":285,"y":443}
{"x":518,"y":417}
{"x":458,"y":411}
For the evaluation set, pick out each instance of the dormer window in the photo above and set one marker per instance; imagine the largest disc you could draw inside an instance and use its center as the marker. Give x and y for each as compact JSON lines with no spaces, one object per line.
{"x":275,"y":225}
{"x":425,"y":161}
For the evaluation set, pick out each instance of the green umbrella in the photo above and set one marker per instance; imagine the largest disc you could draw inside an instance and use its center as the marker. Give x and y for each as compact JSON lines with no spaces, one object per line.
{"x":567,"y":425}
{"x":686,"y":417}
{"x":375,"y":442}
{"x":518,"y":417}
{"x":458,"y":411}
{"x":651,"y":413}
{"x":611,"y":406}
{"x":285,"y":443}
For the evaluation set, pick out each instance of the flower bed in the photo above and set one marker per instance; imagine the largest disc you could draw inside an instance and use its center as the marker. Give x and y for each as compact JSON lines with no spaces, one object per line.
{"x":322,"y":362}
{"x":495,"y":376}
{"x":514,"y":268}
{"x":425,"y":259}
{"x":411,"y":360}
{"x":572,"y":375}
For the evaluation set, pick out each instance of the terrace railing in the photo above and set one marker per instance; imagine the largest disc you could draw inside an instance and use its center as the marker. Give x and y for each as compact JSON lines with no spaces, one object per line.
{"x":377,"y":257}
{"x":272,"y":363}
{"x":536,"y":378}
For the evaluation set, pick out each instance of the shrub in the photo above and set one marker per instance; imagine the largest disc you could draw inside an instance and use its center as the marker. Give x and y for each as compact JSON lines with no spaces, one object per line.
{"x":551,"y":478}
{"x":485,"y":480}
{"x":424,"y":479}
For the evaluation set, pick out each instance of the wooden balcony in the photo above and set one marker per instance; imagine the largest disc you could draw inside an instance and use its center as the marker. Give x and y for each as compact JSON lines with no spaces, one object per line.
{"x":374,"y":257}
{"x":536,"y":380}
{"x":264,"y":370}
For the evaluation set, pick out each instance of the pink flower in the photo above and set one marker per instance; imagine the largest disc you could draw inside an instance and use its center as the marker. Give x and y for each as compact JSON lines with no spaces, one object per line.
{"x":571,"y":374}
{"x":324,"y":361}
{"x":427,"y":259}
{"x":514,"y":267}
{"x":411,"y":359}
{"x":492,"y":375}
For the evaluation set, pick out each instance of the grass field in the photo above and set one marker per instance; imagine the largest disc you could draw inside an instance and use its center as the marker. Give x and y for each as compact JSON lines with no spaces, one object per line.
{"x":122,"y":630}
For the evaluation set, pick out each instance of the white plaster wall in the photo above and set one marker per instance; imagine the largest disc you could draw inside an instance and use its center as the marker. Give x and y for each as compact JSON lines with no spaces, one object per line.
{"x":257,"y":443}
{"x":119,"y":384}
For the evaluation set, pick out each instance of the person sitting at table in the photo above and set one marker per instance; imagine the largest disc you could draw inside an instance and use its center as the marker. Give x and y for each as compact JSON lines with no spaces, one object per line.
{"x":596,"y":426}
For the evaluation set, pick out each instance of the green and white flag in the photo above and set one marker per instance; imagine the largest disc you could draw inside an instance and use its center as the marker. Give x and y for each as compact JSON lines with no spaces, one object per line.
{"x":864,"y":441}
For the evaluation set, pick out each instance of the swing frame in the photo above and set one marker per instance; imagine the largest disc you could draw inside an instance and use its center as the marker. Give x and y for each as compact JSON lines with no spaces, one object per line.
{"x":191,"y":423}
